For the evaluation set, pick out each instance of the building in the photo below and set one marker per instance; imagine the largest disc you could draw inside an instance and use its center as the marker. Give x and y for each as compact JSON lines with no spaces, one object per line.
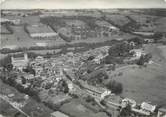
{"x":148,"y":107}
{"x":138,"y":53}
{"x":20,"y":62}
{"x":128,"y":101}
{"x":41,"y":31}
{"x":161,"y":112}
{"x":58,"y":114}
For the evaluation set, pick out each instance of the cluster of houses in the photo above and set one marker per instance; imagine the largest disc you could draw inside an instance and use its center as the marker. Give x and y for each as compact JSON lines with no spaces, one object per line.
{"x":52,"y":71}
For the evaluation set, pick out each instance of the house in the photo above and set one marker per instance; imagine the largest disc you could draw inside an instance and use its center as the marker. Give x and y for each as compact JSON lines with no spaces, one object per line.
{"x":161,"y":112}
{"x":141,"y":112}
{"x":20,"y":62}
{"x":148,"y":107}
{"x":138,"y":53}
{"x":129,"y":101}
{"x":58,"y":114}
{"x":94,"y":91}
{"x":149,"y":40}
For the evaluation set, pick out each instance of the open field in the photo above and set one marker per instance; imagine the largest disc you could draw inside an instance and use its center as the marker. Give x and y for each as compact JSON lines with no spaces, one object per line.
{"x":163,"y":50}
{"x":118,"y":19}
{"x":158,"y":52}
{"x":21,"y":39}
{"x":145,"y":83}
{"x":76,"y":109}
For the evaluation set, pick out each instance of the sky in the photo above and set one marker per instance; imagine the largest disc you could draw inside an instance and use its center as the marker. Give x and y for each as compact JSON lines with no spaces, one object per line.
{"x":80,"y":4}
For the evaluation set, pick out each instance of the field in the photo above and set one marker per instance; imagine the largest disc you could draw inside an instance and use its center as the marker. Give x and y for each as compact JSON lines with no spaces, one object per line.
{"x":76,"y":109}
{"x":158,"y":52}
{"x":145,"y":83}
{"x":21,"y":39}
{"x":118,"y":19}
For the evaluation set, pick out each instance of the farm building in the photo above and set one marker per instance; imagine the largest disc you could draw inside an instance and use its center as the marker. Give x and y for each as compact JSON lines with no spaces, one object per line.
{"x":41,"y":32}
{"x":20,"y":62}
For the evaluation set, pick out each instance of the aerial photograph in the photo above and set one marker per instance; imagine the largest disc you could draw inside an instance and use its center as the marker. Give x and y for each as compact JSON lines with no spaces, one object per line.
{"x":82,"y":58}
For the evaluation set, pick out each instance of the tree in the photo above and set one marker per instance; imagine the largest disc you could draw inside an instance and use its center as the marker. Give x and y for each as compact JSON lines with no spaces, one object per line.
{"x":89,"y":99}
{"x":9,"y":67}
{"x":63,"y":86}
{"x":144,"y":59}
{"x":30,"y":70}
{"x":126,"y":112}
{"x":23,"y":80}
{"x":115,"y":87}
{"x":5,"y":61}
{"x":90,"y":58}
{"x":157,"y":36}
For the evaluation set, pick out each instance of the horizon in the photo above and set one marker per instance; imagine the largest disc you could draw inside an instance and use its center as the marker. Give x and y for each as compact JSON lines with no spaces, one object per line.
{"x":82,"y":4}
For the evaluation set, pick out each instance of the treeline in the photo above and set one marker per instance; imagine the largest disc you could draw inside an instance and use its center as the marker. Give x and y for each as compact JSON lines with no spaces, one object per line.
{"x":118,"y":53}
{"x":89,"y":45}
{"x":59,"y":21}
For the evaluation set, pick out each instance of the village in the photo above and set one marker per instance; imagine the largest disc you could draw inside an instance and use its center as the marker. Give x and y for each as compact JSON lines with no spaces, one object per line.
{"x":72,"y":65}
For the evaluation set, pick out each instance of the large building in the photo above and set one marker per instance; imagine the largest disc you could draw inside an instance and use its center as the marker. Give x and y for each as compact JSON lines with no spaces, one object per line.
{"x":20,"y":62}
{"x":41,"y":31}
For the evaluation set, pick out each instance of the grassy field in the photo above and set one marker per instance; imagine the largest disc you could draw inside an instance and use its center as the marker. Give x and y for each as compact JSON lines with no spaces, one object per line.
{"x":158,"y":52}
{"x":145,"y":83}
{"x":76,"y":109}
{"x":21,"y":39}
{"x":118,"y":19}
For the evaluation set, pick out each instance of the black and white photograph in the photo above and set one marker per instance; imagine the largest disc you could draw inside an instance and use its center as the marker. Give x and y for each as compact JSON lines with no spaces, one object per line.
{"x":82,"y":58}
